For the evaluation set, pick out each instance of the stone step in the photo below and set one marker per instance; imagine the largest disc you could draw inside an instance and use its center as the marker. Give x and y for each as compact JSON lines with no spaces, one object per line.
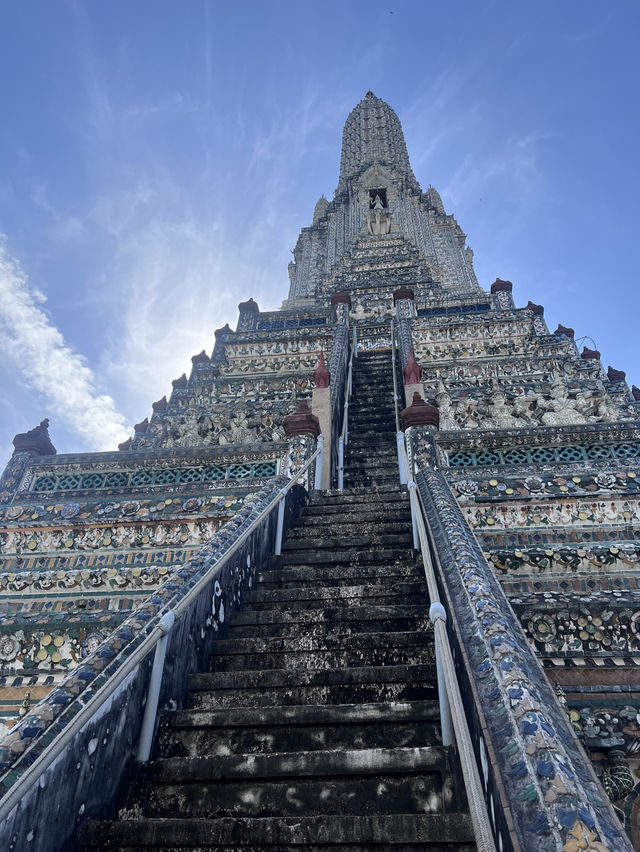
{"x":354,"y":499}
{"x":376,"y":540}
{"x":363,"y":455}
{"x":313,"y":764}
{"x":396,"y":514}
{"x":332,"y":575}
{"x":397,"y":565}
{"x":319,"y":623}
{"x":365,"y":480}
{"x":344,"y":555}
{"x":364,"y":407}
{"x":319,"y":595}
{"x":328,"y":781}
{"x":289,"y":655}
{"x":335,"y":642}
{"x":306,"y":728}
{"x":210,"y":691}
{"x":374,"y":499}
{"x":366,"y":421}
{"x":347,"y":530}
{"x":372,"y":442}
{"x":388,"y":451}
{"x":429,"y":832}
{"x":384,"y":469}
{"x":321,"y":660}
{"x":348,"y":508}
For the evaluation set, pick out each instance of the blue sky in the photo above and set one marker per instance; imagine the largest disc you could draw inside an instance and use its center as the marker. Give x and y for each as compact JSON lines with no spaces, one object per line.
{"x":158,"y":159}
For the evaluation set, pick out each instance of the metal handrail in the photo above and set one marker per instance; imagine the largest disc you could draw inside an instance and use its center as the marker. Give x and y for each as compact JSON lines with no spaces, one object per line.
{"x":165,"y":622}
{"x":344,"y":437}
{"x":452,"y":716}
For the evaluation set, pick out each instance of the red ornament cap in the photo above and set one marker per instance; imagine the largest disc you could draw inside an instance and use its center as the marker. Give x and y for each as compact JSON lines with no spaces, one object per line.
{"x":303,"y":422}
{"x":322,"y":377}
{"x":500,"y":286}
{"x":563,"y":329}
{"x":590,"y":354}
{"x":412,"y":372}
{"x":616,"y":375}
{"x":402,"y":293}
{"x":341,"y":298}
{"x":36,"y":441}
{"x":419,"y":413}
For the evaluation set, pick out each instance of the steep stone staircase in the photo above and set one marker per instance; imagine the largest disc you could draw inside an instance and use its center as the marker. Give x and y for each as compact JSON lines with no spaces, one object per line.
{"x":317,"y":726}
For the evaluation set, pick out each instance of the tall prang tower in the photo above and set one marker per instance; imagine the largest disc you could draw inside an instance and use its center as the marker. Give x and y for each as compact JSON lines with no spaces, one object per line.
{"x":380,"y":229}
{"x":528,"y":457}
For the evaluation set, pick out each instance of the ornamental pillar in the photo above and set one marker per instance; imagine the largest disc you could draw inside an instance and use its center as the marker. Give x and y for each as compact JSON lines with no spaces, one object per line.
{"x":321,"y":406}
{"x":412,"y":377}
{"x":301,"y":430}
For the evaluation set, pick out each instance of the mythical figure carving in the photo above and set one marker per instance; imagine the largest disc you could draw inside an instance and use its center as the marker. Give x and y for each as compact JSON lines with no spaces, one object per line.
{"x":501,"y":416}
{"x":559,"y":409}
{"x":447,"y":415}
{"x":378,"y":219}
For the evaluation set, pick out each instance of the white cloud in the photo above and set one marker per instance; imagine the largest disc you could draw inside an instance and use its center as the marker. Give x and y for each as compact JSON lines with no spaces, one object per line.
{"x":49,"y":366}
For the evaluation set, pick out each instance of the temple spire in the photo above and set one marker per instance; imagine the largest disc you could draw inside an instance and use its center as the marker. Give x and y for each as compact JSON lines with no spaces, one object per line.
{"x":372,"y":134}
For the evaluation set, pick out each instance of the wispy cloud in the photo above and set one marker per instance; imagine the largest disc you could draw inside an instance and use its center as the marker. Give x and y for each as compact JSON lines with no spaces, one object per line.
{"x":175,"y":283}
{"x":48,"y":365}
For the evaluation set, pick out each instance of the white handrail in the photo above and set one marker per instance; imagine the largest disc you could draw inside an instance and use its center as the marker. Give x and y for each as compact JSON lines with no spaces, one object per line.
{"x":83,"y":717}
{"x":452,"y":716}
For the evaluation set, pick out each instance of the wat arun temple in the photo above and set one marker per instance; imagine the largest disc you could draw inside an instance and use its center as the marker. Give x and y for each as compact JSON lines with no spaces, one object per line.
{"x":301,"y":702}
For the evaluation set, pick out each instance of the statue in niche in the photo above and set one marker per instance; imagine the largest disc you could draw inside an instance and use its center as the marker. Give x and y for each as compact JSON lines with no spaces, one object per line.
{"x":447,"y":418}
{"x":559,"y":409}
{"x":378,"y":219}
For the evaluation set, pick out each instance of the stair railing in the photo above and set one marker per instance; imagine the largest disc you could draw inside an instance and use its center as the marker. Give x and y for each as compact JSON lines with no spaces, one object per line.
{"x":344,"y":436}
{"x":151,"y":707}
{"x":452,"y":716}
{"x":176,"y":606}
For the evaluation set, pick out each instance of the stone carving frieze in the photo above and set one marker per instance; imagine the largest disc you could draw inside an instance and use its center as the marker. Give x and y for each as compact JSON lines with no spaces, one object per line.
{"x":227,"y":424}
{"x":605,"y":629}
{"x":495,"y":327}
{"x":560,"y":481}
{"x":278,"y":389}
{"x":503,"y":441}
{"x":85,"y":581}
{"x":228,"y":498}
{"x":26,"y":652}
{"x":563,"y":560}
{"x":110,"y":536}
{"x":552,"y":405}
{"x":562,"y":514}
